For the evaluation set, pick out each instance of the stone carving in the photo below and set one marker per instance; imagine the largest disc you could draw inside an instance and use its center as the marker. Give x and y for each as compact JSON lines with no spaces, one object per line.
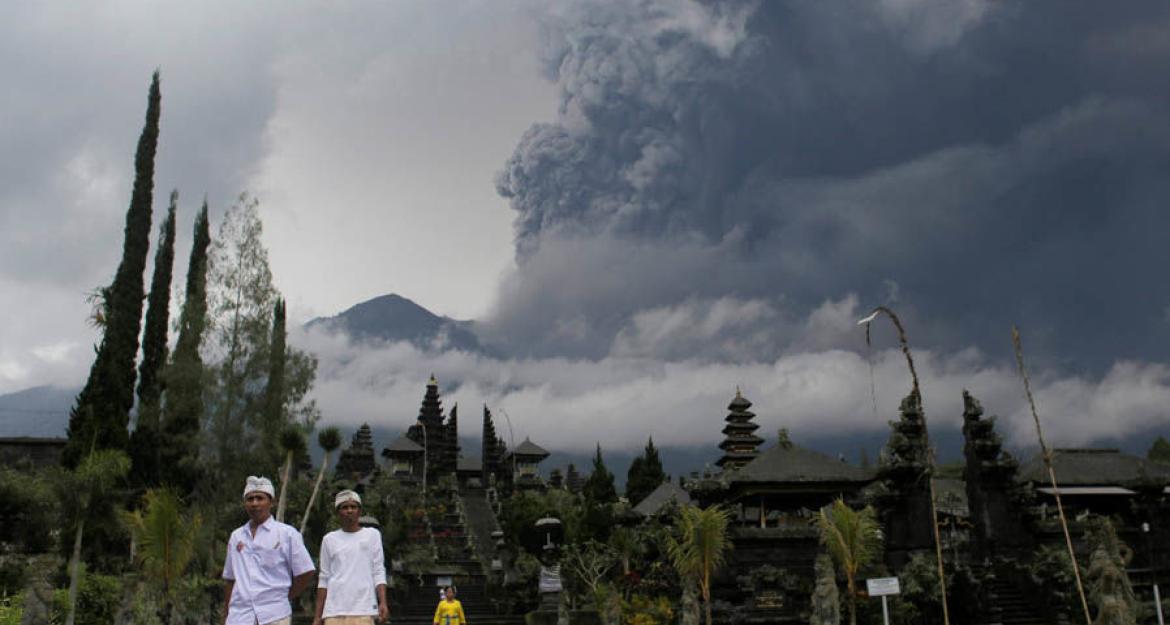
{"x":826,"y":601}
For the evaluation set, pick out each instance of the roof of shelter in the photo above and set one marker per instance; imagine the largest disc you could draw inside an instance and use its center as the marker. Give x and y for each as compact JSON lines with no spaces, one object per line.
{"x":403,"y":444}
{"x":1094,"y":467}
{"x":660,"y":496}
{"x":788,"y":463}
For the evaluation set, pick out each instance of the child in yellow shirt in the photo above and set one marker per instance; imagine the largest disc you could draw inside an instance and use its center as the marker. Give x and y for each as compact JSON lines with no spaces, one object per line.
{"x":450,"y":611}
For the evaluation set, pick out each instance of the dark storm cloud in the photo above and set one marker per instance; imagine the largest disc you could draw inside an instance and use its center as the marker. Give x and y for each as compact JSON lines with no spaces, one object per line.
{"x":994,"y":162}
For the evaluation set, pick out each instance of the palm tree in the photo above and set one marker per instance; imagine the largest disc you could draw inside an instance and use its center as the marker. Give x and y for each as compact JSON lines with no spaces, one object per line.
{"x":165,"y":540}
{"x":292,"y":441}
{"x":329,"y":439}
{"x":852,"y":539}
{"x":91,"y":482}
{"x":700,"y":547}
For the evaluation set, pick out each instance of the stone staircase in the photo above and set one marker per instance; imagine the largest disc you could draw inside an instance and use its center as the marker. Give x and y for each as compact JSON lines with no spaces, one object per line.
{"x":462,"y":539}
{"x":481,"y":522}
{"x":1012,"y":606}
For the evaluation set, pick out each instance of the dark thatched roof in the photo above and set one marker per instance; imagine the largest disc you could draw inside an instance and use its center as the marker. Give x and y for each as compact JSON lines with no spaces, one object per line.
{"x":661,"y":496}
{"x":788,"y":463}
{"x":529,"y":448}
{"x":1094,"y":467}
{"x":402,"y":444}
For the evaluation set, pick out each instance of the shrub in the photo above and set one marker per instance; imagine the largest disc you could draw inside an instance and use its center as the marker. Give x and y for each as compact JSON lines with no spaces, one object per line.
{"x":98,"y":599}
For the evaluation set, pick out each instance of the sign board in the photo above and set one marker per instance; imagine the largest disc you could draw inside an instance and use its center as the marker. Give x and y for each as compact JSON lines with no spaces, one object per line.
{"x":882,"y":586}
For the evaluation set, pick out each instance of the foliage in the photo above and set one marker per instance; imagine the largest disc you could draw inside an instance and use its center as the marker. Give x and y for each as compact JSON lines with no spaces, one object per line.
{"x":273,"y":417}
{"x":1052,"y":571}
{"x":102,"y":410}
{"x":587,"y":566}
{"x":144,"y":441}
{"x":523,"y":509}
{"x":241,"y":301}
{"x":98,"y":600}
{"x":182,"y":415}
{"x":851,"y":538}
{"x":165,"y":538}
{"x":626,"y":545}
{"x":28,"y":511}
{"x":1160,"y":451}
{"x":919,"y":591}
{"x":240,"y":295}
{"x":292,"y":443}
{"x":91,"y":485}
{"x":645,"y":474}
{"x":599,"y":488}
{"x":329,"y":439}
{"x":700,"y":547}
{"x":644,"y":610}
{"x":11,"y":609}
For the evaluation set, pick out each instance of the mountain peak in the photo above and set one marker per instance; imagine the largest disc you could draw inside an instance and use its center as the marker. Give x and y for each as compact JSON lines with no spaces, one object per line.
{"x":392,"y":317}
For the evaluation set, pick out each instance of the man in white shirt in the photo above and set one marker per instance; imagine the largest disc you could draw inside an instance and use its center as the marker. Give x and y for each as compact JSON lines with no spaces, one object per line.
{"x":267,"y":565}
{"x":351,"y":589}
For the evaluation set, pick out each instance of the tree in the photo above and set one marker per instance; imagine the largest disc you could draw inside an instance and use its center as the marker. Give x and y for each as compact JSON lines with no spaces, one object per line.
{"x":589,"y":563}
{"x":273,"y":416}
{"x":102,"y":410}
{"x":144,"y":442}
{"x":182,"y":413}
{"x":329,"y":439}
{"x":240,"y":298}
{"x":700,"y":547}
{"x":292,"y":441}
{"x":599,"y":487}
{"x":165,"y":539}
{"x":1159,"y":451}
{"x":851,"y":537}
{"x":241,"y":303}
{"x":645,"y":474}
{"x":89,"y":485}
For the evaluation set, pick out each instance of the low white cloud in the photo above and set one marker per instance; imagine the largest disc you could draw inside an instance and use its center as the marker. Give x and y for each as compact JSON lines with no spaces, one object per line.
{"x":817,"y":392}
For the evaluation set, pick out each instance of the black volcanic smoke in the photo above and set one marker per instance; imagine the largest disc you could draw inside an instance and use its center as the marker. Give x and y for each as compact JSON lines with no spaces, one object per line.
{"x":980,"y":163}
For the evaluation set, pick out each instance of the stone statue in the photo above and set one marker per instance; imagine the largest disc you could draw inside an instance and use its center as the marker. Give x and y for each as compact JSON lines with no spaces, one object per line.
{"x":38,"y":596}
{"x":826,"y":602}
{"x":689,"y":613}
{"x":1108,"y":584}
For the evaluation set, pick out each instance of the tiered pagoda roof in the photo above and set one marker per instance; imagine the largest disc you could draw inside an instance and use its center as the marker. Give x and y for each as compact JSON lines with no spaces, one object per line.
{"x":359,"y":457}
{"x":531,"y":450}
{"x":740,"y":445}
{"x":493,"y":449}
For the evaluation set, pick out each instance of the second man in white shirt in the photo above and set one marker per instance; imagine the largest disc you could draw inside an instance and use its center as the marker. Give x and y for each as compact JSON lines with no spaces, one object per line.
{"x":351,"y":585}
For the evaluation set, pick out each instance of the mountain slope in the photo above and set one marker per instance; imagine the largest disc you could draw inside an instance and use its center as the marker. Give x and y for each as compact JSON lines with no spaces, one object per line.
{"x":395,"y":318}
{"x":36,"y":411}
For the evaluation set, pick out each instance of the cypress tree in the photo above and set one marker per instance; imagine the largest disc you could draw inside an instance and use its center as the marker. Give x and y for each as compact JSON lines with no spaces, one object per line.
{"x":599,"y":487}
{"x":102,"y":410}
{"x":158,"y":317}
{"x":273,"y":419}
{"x":182,"y":414}
{"x":645,"y":474}
{"x":144,"y":442}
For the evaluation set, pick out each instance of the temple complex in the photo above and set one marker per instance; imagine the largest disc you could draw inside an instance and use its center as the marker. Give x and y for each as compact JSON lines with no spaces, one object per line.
{"x":994,"y":514}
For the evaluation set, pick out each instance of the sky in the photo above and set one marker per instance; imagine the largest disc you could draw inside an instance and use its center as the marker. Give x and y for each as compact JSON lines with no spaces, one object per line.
{"x":642,"y":204}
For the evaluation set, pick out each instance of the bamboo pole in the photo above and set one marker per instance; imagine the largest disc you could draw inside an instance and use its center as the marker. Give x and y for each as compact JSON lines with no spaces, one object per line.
{"x":880,"y":310}
{"x":1046,"y":454}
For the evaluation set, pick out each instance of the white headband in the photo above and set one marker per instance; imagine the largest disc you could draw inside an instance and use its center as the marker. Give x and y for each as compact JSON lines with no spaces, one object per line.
{"x":346,"y":495}
{"x":259,"y":485}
